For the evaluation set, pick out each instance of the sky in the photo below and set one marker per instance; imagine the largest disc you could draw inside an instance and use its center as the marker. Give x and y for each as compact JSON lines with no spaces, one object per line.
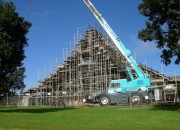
{"x":55,"y":22}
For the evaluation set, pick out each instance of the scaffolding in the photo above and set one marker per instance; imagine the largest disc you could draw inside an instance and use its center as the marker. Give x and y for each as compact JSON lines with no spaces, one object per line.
{"x":87,"y":67}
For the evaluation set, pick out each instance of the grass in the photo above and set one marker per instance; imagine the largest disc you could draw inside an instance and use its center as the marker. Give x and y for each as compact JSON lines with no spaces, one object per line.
{"x":96,"y":118}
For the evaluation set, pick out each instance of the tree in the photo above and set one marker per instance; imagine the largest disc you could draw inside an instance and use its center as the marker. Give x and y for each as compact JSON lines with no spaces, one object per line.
{"x":13,"y":30}
{"x":163,"y":27}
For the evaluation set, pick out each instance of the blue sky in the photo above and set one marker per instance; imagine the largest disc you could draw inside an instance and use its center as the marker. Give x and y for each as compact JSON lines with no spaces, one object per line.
{"x":55,"y":22}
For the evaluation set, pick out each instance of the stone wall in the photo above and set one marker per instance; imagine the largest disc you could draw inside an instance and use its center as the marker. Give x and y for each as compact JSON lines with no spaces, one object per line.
{"x":14,"y":101}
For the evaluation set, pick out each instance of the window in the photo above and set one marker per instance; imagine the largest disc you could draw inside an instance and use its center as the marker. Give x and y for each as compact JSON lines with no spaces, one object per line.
{"x":115,"y":85}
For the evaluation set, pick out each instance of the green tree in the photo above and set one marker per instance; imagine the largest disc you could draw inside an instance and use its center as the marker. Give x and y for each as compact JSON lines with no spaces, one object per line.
{"x":163,"y":27}
{"x":13,"y":30}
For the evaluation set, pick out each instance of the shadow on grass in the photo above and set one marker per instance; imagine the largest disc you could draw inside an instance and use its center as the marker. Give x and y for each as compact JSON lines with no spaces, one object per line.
{"x":35,"y":110}
{"x":166,"y":107}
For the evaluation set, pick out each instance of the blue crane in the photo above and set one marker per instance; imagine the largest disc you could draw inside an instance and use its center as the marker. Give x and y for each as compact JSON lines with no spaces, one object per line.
{"x":138,"y":85}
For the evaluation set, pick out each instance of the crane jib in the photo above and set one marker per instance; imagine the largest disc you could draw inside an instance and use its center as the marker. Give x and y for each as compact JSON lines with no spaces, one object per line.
{"x":124,"y":51}
{"x":92,"y":8}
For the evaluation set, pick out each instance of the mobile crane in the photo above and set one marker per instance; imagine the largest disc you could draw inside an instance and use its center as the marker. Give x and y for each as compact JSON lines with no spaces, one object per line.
{"x":136,"y":90}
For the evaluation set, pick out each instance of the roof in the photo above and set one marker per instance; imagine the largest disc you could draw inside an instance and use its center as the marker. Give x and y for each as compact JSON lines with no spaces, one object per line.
{"x":176,"y":78}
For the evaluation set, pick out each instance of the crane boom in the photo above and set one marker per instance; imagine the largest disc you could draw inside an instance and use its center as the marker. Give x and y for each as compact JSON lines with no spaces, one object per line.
{"x":124,"y":51}
{"x":139,"y":89}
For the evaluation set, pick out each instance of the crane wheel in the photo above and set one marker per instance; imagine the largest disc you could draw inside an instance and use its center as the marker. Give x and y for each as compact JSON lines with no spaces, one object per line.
{"x":136,"y":99}
{"x":104,"y":100}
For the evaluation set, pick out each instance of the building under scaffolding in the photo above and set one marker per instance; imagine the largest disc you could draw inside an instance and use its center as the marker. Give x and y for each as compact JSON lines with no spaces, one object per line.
{"x":88,"y":66}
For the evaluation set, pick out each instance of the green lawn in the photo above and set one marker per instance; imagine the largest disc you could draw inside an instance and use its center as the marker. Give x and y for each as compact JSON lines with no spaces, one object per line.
{"x":96,"y":118}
